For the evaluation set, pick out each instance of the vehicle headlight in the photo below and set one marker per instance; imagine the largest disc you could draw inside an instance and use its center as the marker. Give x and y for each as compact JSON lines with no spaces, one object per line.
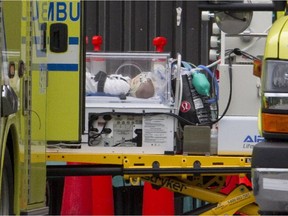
{"x":275,"y":76}
{"x":274,"y":115}
{"x":275,"y":85}
{"x":275,"y":101}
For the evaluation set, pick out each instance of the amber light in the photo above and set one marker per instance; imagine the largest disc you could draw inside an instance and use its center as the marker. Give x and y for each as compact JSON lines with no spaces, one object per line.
{"x":257,"y":68}
{"x":275,"y":123}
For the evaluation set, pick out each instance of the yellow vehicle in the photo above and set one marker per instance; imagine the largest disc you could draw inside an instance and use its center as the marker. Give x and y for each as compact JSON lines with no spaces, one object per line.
{"x":269,"y":159}
{"x":34,"y":33}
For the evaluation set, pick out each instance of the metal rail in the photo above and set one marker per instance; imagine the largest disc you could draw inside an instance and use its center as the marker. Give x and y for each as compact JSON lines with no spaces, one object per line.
{"x":98,"y":169}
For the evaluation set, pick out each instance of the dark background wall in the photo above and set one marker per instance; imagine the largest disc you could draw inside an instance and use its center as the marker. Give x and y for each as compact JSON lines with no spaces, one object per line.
{"x":132,"y":25}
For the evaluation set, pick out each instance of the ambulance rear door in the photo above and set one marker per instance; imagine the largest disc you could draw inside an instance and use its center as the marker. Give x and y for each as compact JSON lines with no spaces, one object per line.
{"x":65,"y":71}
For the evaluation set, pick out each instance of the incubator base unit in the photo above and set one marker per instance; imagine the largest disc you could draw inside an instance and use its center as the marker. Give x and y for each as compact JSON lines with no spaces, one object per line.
{"x":135,"y":131}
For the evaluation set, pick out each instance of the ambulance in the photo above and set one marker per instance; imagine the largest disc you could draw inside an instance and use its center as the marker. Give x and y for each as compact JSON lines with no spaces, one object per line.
{"x":41,"y":99}
{"x":269,"y":157}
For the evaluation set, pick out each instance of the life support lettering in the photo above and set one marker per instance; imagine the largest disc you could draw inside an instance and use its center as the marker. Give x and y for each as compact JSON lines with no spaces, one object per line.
{"x":253,"y":139}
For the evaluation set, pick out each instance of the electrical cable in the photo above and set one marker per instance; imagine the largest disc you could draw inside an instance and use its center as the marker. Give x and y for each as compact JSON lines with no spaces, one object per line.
{"x":120,"y":143}
{"x":63,"y":145}
{"x":125,"y":141}
{"x":96,"y":135}
{"x":230,"y":88}
{"x":257,"y":39}
{"x":243,"y":50}
{"x":235,"y":51}
{"x":213,"y":63}
{"x":217,"y":61}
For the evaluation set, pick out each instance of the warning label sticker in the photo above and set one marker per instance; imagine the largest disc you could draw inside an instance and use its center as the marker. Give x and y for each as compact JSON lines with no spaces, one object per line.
{"x":155,"y":130}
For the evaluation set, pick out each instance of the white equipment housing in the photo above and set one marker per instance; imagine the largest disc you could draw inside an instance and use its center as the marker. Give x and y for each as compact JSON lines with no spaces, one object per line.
{"x":238,"y":130}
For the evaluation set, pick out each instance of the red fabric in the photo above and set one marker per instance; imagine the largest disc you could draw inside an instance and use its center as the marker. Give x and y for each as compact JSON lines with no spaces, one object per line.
{"x":157,"y":201}
{"x":87,"y":195}
{"x":103,"y":202}
{"x":77,"y":196}
{"x":233,"y":181}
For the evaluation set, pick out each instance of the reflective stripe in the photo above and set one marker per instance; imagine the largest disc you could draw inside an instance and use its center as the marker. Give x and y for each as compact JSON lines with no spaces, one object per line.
{"x":271,"y":169}
{"x":73,"y":40}
{"x":276,"y":94}
{"x":62,"y":67}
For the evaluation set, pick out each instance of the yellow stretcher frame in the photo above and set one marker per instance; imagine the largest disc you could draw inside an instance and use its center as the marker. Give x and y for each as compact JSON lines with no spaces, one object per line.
{"x":175,"y":172}
{"x":145,"y":160}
